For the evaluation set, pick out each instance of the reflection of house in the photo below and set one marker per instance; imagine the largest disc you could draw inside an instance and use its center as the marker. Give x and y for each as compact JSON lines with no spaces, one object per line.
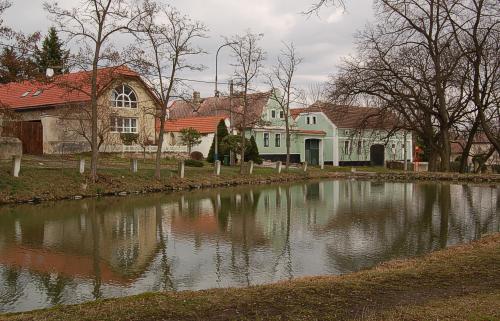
{"x":205,"y":125}
{"x":320,"y":134}
{"x":114,"y":247}
{"x":54,"y":116}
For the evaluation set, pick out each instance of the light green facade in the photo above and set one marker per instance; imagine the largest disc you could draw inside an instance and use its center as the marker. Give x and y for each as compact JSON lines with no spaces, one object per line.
{"x":337,"y":146}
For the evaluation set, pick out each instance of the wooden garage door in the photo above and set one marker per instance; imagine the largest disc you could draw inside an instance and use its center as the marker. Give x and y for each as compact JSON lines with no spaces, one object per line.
{"x":29,"y":132}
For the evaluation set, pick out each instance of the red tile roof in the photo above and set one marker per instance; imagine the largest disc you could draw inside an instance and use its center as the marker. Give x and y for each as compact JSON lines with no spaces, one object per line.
{"x":63,"y":89}
{"x":204,"y":125}
{"x":222,"y":106}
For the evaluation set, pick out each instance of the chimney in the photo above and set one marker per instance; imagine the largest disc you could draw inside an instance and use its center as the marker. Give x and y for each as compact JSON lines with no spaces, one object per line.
{"x":196,"y":97}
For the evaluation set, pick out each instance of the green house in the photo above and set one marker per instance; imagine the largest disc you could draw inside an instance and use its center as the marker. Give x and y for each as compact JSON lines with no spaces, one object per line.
{"x":320,"y":134}
{"x":327,"y":134}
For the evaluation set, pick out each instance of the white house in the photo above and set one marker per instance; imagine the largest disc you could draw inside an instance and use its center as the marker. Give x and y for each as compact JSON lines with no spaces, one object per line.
{"x":205,"y":125}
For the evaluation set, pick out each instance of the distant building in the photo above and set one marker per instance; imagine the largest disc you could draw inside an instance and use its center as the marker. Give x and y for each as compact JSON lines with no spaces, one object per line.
{"x":205,"y":125}
{"x":320,"y":134}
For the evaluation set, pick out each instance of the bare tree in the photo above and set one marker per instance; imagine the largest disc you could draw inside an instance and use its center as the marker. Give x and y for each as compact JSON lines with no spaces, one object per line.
{"x":92,"y":25}
{"x":249,"y":58}
{"x":476,"y":26}
{"x":318,"y":5}
{"x":166,"y":48}
{"x":281,"y":81}
{"x":409,"y":63}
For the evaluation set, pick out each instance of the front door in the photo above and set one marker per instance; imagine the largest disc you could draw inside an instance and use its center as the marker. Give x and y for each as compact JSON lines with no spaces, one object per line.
{"x":29,"y":132}
{"x":377,"y":155}
{"x":312,"y":151}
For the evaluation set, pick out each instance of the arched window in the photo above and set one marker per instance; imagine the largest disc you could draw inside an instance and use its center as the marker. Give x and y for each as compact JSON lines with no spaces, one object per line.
{"x":124,"y":97}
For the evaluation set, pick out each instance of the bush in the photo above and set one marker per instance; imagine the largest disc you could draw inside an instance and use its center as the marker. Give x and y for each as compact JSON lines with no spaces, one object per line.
{"x":193,"y":163}
{"x":196,"y":156}
{"x":129,"y":138}
{"x":252,"y":152}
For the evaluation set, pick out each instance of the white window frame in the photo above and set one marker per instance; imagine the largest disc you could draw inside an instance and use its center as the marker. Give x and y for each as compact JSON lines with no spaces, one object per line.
{"x":123,"y":125}
{"x":314,"y":120}
{"x":273,"y":114}
{"x":121,"y":99}
{"x":308,"y":120}
{"x":282,"y":114}
{"x":266,"y":139}
{"x":277,"y":140}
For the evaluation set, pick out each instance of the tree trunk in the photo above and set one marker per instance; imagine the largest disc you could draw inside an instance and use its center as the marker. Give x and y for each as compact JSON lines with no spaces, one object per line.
{"x":93,"y":103}
{"x":287,"y":143}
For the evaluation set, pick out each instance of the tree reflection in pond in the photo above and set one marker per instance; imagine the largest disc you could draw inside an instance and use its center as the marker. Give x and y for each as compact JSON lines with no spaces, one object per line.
{"x":70,"y":252}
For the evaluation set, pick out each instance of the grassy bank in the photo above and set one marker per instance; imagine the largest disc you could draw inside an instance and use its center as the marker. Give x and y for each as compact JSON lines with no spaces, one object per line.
{"x":50,"y":178}
{"x":460,"y":283}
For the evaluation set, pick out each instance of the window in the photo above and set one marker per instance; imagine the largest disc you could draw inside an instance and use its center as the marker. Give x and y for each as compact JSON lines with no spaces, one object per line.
{"x":123,"y":125}
{"x":347,"y":133}
{"x":26,"y":94}
{"x":172,"y":139}
{"x":308,"y":120}
{"x":37,"y":93}
{"x":266,"y":139}
{"x":277,"y":140}
{"x":282,"y":114}
{"x":273,"y":113}
{"x":124,"y":97}
{"x":347,"y":147}
{"x":360,"y":147}
{"x":314,"y":120}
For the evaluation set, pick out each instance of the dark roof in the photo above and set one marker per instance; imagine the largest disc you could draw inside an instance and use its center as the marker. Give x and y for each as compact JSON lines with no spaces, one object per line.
{"x":213,"y":106}
{"x":351,"y":116}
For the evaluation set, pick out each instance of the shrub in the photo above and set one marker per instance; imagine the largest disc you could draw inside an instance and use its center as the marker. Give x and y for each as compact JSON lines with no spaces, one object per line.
{"x":197,"y":156}
{"x":129,"y":138}
{"x":252,"y":152}
{"x":193,"y":163}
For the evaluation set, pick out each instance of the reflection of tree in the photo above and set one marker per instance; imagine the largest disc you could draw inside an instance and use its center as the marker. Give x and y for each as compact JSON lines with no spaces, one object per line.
{"x":444,"y":209}
{"x":165,"y":266}
{"x":54,"y":288}
{"x":10,"y":278}
{"x":97,"y":282}
{"x":286,"y":251}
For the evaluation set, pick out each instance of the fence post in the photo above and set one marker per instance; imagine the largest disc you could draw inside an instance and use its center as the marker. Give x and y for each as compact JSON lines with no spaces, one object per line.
{"x":16,"y":165}
{"x":81,"y":166}
{"x":133,"y":165}
{"x":181,"y":169}
{"x":304,"y":166}
{"x":217,"y":167}
{"x":250,"y":167}
{"x":279,"y":167}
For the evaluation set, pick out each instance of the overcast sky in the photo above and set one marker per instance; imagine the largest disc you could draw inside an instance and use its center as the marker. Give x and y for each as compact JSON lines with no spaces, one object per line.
{"x":321,"y":41}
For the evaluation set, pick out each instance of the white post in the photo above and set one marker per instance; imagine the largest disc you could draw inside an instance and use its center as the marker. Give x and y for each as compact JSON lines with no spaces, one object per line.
{"x":16,"y":165}
{"x":321,"y":154}
{"x":181,"y":169}
{"x":279,"y":166}
{"x":304,"y":166}
{"x":250,"y":167}
{"x":82,"y":166}
{"x":133,"y":165}
{"x":217,"y":167}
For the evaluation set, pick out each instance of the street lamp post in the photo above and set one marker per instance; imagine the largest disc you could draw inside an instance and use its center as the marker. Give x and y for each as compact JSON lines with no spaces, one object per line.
{"x":216,"y":151}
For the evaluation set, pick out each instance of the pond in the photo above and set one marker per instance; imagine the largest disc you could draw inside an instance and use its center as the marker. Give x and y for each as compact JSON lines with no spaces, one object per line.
{"x":76,"y":251}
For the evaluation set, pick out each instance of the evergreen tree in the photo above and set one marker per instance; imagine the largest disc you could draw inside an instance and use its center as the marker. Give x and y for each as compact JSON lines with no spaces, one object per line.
{"x":252,"y":152}
{"x":52,"y":55}
{"x":221,"y":134}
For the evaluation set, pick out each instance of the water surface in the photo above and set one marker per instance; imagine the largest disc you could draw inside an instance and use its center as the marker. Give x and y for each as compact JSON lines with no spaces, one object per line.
{"x":76,"y":251}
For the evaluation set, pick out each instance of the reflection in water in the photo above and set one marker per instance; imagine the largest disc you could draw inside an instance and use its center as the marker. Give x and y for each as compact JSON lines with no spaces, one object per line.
{"x":70,"y":252}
